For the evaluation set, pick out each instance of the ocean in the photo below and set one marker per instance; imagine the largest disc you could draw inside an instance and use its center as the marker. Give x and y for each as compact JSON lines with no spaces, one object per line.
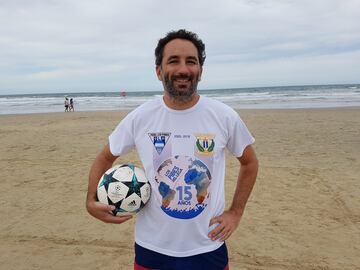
{"x":284,"y":97}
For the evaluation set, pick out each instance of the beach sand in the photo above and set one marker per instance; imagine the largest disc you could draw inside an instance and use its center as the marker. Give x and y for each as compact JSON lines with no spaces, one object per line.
{"x":304,"y":212}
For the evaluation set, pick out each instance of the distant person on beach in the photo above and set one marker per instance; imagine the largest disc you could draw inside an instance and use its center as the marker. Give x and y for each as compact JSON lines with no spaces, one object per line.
{"x":71,"y":105}
{"x":181,"y":139}
{"x":66,"y":104}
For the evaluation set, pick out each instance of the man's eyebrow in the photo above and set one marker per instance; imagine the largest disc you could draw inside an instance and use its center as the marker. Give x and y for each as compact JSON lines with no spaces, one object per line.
{"x":173,"y":57}
{"x":192,"y":58}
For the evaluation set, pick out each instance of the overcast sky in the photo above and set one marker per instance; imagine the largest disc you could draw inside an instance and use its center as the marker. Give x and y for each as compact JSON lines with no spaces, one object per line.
{"x":91,"y":45}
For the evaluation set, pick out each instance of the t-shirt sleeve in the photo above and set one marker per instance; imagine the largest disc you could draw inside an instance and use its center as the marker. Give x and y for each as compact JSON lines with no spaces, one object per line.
{"x":121,"y":140}
{"x":239,"y":136}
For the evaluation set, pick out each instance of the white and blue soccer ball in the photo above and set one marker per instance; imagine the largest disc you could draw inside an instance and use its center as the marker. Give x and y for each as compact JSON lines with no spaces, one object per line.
{"x":126,"y":187}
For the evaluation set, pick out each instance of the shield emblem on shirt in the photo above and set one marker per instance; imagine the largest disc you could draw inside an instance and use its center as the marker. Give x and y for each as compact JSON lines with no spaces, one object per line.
{"x":205,"y":144}
{"x":159,"y":140}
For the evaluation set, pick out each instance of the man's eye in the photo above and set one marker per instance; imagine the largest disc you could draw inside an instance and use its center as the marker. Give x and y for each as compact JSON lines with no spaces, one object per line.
{"x":192,"y":61}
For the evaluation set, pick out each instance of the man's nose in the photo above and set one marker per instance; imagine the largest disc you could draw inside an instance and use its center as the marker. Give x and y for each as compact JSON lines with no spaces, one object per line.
{"x":183,"y":68}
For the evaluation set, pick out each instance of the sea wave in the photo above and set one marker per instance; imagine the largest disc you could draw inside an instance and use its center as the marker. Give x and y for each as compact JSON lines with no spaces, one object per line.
{"x":288,"y":97}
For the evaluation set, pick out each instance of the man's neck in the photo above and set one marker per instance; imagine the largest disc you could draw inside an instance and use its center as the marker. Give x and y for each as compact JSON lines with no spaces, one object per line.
{"x":176,"y":104}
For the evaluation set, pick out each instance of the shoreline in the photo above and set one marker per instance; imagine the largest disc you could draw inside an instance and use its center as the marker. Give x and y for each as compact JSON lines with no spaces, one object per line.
{"x":236,"y":109}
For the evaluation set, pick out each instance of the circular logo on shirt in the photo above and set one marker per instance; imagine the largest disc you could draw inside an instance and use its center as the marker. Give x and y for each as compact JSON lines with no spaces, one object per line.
{"x":183,"y":184}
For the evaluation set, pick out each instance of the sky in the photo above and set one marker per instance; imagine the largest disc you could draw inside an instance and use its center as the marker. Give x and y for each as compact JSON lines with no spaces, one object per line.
{"x":89,"y":45}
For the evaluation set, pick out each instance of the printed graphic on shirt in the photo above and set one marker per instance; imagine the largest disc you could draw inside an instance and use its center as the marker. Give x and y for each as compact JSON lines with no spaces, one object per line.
{"x":205,"y":144}
{"x":183,"y":186}
{"x":184,"y":136}
{"x":159,"y":140}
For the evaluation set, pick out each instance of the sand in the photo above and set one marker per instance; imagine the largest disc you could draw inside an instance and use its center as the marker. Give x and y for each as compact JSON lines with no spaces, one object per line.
{"x":304,"y":212}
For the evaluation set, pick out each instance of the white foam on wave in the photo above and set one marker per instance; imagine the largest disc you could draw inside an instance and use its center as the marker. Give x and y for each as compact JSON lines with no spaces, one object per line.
{"x":256,"y":98}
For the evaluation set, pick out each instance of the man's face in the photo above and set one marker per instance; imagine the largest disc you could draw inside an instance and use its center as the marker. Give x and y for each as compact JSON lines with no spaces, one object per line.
{"x":180,"y":70}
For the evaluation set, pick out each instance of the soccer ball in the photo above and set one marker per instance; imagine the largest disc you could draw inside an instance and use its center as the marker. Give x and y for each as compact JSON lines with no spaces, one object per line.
{"x":124,"y":186}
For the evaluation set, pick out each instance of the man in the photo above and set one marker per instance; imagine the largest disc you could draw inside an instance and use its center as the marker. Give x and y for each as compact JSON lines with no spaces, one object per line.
{"x":66,"y":104}
{"x":71,"y":106}
{"x":181,"y":140}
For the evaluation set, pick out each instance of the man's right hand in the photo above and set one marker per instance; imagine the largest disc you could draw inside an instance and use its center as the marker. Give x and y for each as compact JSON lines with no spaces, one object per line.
{"x":104,"y":212}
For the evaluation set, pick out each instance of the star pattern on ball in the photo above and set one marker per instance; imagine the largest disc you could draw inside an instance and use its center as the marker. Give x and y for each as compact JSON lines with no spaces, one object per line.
{"x":134,"y":186}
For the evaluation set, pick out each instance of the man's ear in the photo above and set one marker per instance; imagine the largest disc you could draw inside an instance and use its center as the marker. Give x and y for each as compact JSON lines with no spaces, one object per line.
{"x":159,"y":72}
{"x":200,"y":74}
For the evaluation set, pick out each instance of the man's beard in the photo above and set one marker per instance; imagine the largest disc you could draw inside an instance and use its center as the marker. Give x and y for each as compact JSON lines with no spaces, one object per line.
{"x":180,"y":95}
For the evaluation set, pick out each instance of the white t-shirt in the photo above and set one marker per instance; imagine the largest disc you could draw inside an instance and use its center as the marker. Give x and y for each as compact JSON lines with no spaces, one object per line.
{"x":183,"y":154}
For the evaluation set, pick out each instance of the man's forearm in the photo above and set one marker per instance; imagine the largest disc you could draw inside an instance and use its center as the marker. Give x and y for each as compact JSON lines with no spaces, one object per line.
{"x":98,"y":210}
{"x":244,"y":186}
{"x":101,"y":164}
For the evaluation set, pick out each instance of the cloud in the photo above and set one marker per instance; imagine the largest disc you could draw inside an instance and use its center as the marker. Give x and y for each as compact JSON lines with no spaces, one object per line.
{"x":91,"y":45}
